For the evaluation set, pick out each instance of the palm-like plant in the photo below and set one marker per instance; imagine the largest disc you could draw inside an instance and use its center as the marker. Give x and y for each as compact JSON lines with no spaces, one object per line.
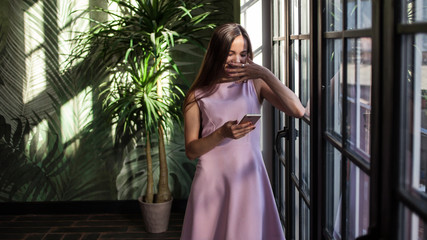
{"x":142,"y":97}
{"x":140,"y":106}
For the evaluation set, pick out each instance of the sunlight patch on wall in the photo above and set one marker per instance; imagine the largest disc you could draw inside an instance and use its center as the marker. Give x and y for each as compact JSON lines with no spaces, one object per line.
{"x":73,"y":20}
{"x":76,"y":114}
{"x":35,"y":55}
{"x":38,"y":141}
{"x":114,"y":8}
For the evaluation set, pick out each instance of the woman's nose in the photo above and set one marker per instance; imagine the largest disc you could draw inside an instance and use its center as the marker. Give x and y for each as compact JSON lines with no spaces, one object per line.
{"x":238,"y":59}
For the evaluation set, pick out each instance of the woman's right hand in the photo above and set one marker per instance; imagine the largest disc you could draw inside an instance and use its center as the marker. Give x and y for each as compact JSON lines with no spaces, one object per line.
{"x":233,"y":130}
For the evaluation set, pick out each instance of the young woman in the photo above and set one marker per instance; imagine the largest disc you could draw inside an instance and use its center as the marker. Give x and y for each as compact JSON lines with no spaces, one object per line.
{"x":231,"y":196}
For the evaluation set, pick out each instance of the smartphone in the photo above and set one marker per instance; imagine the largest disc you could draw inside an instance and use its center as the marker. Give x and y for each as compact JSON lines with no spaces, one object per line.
{"x":250,"y":117}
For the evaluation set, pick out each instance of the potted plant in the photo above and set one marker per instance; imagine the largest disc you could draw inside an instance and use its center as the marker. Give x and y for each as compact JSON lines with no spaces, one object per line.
{"x":147,"y":104}
{"x":142,"y":96}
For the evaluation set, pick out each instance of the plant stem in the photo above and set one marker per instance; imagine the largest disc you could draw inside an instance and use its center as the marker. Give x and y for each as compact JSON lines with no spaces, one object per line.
{"x":149,"y":195}
{"x":164,"y":194}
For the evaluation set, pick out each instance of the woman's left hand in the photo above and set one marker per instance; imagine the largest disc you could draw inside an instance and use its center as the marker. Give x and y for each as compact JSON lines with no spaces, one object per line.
{"x":241,"y":72}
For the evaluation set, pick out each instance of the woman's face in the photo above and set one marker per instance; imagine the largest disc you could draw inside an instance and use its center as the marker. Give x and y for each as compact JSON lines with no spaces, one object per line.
{"x":238,"y":51}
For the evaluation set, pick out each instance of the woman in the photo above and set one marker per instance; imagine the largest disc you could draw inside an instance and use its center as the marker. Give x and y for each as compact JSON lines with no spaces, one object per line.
{"x":231,"y":196}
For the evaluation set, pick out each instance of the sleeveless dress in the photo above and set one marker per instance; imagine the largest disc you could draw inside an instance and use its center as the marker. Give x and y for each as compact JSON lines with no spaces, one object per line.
{"x":231,"y":196}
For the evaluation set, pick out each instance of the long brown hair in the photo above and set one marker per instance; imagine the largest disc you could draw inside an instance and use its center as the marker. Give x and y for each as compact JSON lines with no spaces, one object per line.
{"x":212,"y":67}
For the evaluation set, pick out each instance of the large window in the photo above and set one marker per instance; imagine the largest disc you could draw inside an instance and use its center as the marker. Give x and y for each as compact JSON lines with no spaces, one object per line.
{"x":347,"y":84}
{"x":356,"y":167}
{"x":413,"y":141}
{"x":292,"y":63}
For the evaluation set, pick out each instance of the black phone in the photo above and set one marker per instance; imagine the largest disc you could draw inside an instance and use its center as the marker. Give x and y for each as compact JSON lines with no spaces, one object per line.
{"x":250,"y":117}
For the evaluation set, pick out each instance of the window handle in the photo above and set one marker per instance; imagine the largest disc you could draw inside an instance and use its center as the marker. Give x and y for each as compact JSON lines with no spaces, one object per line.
{"x":285,"y":133}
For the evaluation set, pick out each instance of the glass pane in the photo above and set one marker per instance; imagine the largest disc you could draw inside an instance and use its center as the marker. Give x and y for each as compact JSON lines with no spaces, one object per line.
{"x":282,"y":15}
{"x":359,"y":14}
{"x":275,"y":11}
{"x":253,"y":25}
{"x":359,"y":95}
{"x":295,"y":78}
{"x":294,"y":17}
{"x":282,"y":62}
{"x":282,"y":190}
{"x":333,"y":191}
{"x":305,"y":158}
{"x":305,"y":71}
{"x":296,"y":163}
{"x":334,"y":85}
{"x":279,"y":60}
{"x":414,"y":69}
{"x":333,"y":16}
{"x":305,"y":16}
{"x":413,"y":11}
{"x":276,"y":64}
{"x":305,"y":221}
{"x":411,"y":226}
{"x":297,"y":214}
{"x":357,"y":202}
{"x":295,"y":66}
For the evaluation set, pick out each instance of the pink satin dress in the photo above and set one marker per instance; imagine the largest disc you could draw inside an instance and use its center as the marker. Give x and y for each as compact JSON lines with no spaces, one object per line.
{"x":231,"y":196}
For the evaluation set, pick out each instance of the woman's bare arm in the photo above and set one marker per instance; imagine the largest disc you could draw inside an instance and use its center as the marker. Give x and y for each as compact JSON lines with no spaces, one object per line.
{"x":280,"y":96}
{"x":268,"y":86}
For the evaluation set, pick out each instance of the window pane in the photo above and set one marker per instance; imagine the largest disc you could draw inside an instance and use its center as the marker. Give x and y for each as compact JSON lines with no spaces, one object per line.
{"x":333,"y":86}
{"x":253,"y":25}
{"x":296,"y":214}
{"x":296,"y":162}
{"x":282,"y":190}
{"x":295,"y":65}
{"x":305,"y":221}
{"x":359,"y":95}
{"x":305,"y":16}
{"x":414,"y":69}
{"x":357,"y":202}
{"x":295,"y":78}
{"x":333,"y":16}
{"x":279,"y":59}
{"x":333,"y":191}
{"x":359,"y":14}
{"x":276,"y":64}
{"x":278,"y":19}
{"x":294,"y":17}
{"x":282,"y":23}
{"x":411,"y":226}
{"x":305,"y":158}
{"x":305,"y":71}
{"x":283,"y":59}
{"x":413,"y":11}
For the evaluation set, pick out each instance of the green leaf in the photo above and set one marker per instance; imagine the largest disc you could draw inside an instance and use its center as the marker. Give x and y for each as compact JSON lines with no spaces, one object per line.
{"x":17,"y":136}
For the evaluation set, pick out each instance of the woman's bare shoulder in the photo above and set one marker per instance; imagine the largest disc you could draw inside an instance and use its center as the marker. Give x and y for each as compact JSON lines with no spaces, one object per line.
{"x":259,"y":84}
{"x":190,"y":101}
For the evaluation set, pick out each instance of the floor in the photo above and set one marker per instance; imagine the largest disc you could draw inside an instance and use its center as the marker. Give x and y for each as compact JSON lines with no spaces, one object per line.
{"x":83,"y":227}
